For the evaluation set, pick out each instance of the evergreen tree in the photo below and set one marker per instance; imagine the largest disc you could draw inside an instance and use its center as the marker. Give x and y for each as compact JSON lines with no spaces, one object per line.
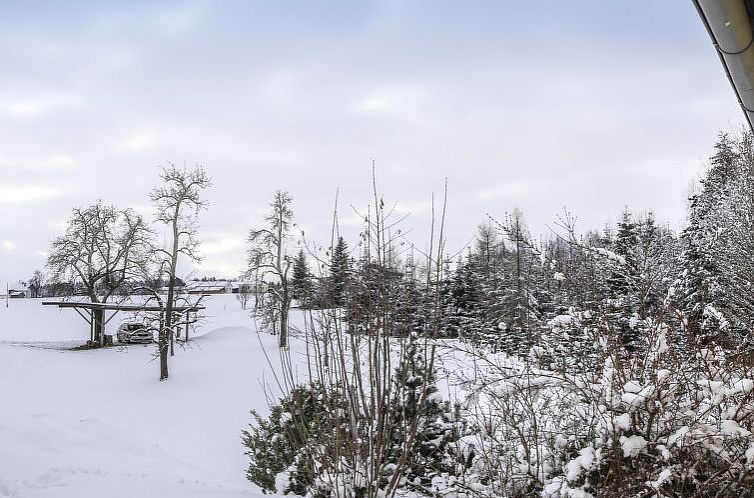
{"x":700,"y":289}
{"x":291,"y":438}
{"x":621,"y":303}
{"x":429,"y":453}
{"x":490,"y":250}
{"x":488,"y":270}
{"x":302,"y":285}
{"x":464,"y":308}
{"x":656,"y":259}
{"x":520,"y":309}
{"x":341,"y":272}
{"x":411,"y":312}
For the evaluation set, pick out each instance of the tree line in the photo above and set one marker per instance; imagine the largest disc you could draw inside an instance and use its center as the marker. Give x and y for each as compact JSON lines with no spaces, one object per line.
{"x":594,"y":352}
{"x":606,"y":362}
{"x":505,"y":290}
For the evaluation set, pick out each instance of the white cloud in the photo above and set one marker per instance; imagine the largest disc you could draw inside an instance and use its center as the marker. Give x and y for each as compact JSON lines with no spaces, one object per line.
{"x":139,"y":140}
{"x":396,"y":99}
{"x":178,"y":20}
{"x":222,"y":245}
{"x":223,"y":254}
{"x":374,"y":103}
{"x":57,"y":162}
{"x":57,"y":226}
{"x":17,"y":194}
{"x":280,"y":86}
{"x":173,"y":19}
{"x":8,"y":245}
{"x":39,"y":104}
{"x":513,"y":190}
{"x":29,"y":160}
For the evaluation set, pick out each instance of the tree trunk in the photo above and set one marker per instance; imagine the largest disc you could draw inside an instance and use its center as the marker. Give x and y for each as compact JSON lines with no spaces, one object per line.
{"x":284,"y":302}
{"x":163,"y":346}
{"x":284,"y":323}
{"x":99,"y":326}
{"x":166,"y":331}
{"x":168,"y":328}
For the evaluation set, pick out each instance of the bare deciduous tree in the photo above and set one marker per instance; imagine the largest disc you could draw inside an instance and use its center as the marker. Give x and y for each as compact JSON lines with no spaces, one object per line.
{"x":245,"y":292}
{"x":178,"y":202}
{"x":102,"y":249}
{"x":268,"y":258}
{"x":35,"y":283}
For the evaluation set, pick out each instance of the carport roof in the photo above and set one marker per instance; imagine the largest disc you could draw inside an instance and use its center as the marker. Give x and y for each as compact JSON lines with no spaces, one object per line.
{"x":117,"y":307}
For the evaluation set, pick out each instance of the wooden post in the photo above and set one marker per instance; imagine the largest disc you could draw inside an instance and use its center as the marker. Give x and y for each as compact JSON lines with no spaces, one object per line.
{"x":172,"y":333}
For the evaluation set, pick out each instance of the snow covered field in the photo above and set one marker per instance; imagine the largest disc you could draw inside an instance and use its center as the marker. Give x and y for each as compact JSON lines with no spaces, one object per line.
{"x":81,"y":424}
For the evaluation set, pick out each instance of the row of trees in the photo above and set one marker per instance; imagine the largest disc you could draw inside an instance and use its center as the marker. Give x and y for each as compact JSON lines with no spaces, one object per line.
{"x":590,"y":350}
{"x":503,"y":292}
{"x":584,"y":318}
{"x":508,"y":286}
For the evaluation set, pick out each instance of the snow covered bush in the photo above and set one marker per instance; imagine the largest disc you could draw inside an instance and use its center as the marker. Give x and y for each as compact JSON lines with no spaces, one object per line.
{"x":667,"y":424}
{"x":315,"y":443}
{"x":516,"y":413}
{"x":656,"y":424}
{"x":283,"y":447}
{"x":420,"y":409}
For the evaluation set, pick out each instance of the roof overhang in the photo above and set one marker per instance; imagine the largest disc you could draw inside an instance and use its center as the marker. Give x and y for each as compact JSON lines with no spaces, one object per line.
{"x":729,"y":24}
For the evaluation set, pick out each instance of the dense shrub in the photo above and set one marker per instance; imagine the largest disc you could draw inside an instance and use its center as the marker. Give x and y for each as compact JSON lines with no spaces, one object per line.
{"x":283,"y":447}
{"x":315,"y":443}
{"x":656,"y":424}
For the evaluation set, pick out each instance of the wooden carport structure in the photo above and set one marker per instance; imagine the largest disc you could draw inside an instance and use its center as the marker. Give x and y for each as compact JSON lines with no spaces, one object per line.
{"x":87,"y":311}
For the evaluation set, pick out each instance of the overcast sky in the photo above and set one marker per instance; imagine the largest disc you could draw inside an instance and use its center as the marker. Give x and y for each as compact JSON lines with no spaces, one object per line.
{"x":591,"y":105}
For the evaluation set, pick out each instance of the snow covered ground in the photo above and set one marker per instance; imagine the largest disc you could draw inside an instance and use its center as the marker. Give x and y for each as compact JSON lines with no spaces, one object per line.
{"x":98,"y":423}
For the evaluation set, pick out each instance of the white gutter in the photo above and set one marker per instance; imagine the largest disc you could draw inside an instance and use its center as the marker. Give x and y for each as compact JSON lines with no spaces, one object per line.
{"x":729,"y":25}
